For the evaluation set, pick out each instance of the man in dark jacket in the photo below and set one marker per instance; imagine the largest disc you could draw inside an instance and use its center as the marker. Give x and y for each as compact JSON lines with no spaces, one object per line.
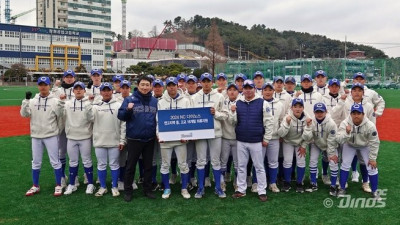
{"x":139,"y":112}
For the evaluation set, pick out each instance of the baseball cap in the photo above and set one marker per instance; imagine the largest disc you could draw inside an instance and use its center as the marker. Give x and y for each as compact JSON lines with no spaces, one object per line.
{"x":158,"y":81}
{"x":258,"y":73}
{"x":268,"y":84}
{"x":125,"y":82}
{"x":96,"y":71}
{"x":80,"y":84}
{"x":151,"y":77}
{"x":320,"y":72}
{"x":181,"y":77}
{"x":172,"y":80}
{"x":306,"y":77}
{"x":297,"y":101}
{"x":118,"y":77}
{"x":240,"y":75}
{"x":248,"y":83}
{"x":320,"y":107}
{"x":290,"y":79}
{"x":357,"y":85}
{"x":233,"y":85}
{"x":192,"y":78}
{"x":106,"y":85}
{"x":359,"y":74}
{"x":357,"y":107}
{"x":222,"y":75}
{"x":206,"y":76}
{"x":44,"y":79}
{"x":277,"y":78}
{"x":334,"y":81}
{"x":69,"y":72}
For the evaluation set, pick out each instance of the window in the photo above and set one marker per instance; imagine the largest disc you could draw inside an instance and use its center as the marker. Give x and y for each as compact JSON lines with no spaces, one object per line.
{"x":58,"y":38}
{"x":73,"y":51}
{"x":44,"y":49}
{"x":72,"y":62}
{"x":1,"y":33}
{"x":28,"y":48}
{"x":97,"y":63}
{"x":12,"y":34}
{"x":29,"y":61}
{"x":72,"y":39}
{"x":85,"y":51}
{"x":58,"y":62}
{"x":44,"y":61}
{"x":98,"y":41}
{"x":97,"y":52}
{"x":58,"y":50}
{"x":43,"y":37}
{"x":86,"y":40}
{"x":87,"y":63}
{"x":10,"y":47}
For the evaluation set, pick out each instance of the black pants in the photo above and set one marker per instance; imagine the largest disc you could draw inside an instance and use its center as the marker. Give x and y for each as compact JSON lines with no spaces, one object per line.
{"x":135,"y":149}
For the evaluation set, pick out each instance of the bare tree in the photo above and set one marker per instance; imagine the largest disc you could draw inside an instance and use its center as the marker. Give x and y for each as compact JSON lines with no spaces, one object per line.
{"x":153,"y":32}
{"x":215,"y":44}
{"x":137,"y":33}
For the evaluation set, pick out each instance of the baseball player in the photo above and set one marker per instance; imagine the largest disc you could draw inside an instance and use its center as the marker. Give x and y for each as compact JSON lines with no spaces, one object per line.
{"x":281,"y":94}
{"x":258,"y":78}
{"x":93,"y":87}
{"x":239,"y":80}
{"x":296,"y":131}
{"x":321,"y":86}
{"x":173,"y":100}
{"x":199,"y":87}
{"x":43,"y":113}
{"x":290,"y":85}
{"x":332,"y":99}
{"x":309,"y":95}
{"x":108,"y":138}
{"x":221,"y":81}
{"x":117,"y":79}
{"x":182,"y":82}
{"x":358,"y":133}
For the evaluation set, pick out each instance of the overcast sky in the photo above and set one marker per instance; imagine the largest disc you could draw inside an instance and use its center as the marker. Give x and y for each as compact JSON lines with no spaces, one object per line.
{"x":362,"y":21}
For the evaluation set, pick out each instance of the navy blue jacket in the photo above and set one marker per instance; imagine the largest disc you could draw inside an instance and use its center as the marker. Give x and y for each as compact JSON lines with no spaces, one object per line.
{"x":250,"y":127}
{"x":141,"y":120}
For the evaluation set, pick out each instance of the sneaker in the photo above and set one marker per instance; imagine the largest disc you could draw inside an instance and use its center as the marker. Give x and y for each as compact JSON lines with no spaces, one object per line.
{"x":366,"y":188}
{"x":101,"y":192}
{"x":274,"y":188}
{"x":115,"y":192}
{"x":70,"y":189}
{"x":166,"y":194}
{"x":262,"y":197}
{"x":223,"y":186}
{"x":172,"y":179}
{"x":376,"y":196}
{"x":238,"y":194}
{"x":185,"y":194}
{"x":326,"y":179}
{"x":90,"y":189}
{"x":313,"y":187}
{"x":200,"y":193}
{"x":254,"y":188}
{"x":85,"y":180}
{"x":63,"y":182}
{"x":58,"y":191}
{"x":155,"y":186}
{"x":220,"y":193}
{"x":286,"y":187}
{"x":140,"y":181}
{"x":207,"y":182}
{"x":150,"y":195}
{"x":32,"y":191}
{"x":249,"y":181}
{"x":355,"y":176}
{"x":299,"y":188}
{"x":134,"y":186}
{"x":121,"y":186}
{"x":77,"y":181}
{"x":227,"y":177}
{"x":333,"y":191}
{"x":341,"y":193}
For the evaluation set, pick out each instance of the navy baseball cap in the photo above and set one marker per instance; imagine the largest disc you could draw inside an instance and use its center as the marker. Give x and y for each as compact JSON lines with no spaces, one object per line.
{"x":297,"y":101}
{"x":357,"y":108}
{"x":192,"y":78}
{"x":118,"y":77}
{"x":320,"y":72}
{"x":334,"y":81}
{"x":290,"y":79}
{"x":359,"y":74}
{"x":106,"y":85}
{"x":171,"y":80}
{"x":206,"y":76}
{"x":79,"y":84}
{"x":306,"y":77}
{"x":258,"y":73}
{"x":69,"y":72}
{"x":44,"y":79}
{"x":181,"y":77}
{"x":222,"y":75}
{"x":125,"y":82}
{"x":151,"y":77}
{"x":248,"y":83}
{"x":357,"y":85}
{"x":278,"y":78}
{"x":240,"y":75}
{"x":96,"y":71}
{"x":320,"y":107}
{"x":233,"y":85}
{"x":158,"y":81}
{"x":268,"y":85}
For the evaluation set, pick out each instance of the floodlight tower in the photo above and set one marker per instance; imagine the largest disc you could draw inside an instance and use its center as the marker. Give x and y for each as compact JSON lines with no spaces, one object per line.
{"x":124,"y":24}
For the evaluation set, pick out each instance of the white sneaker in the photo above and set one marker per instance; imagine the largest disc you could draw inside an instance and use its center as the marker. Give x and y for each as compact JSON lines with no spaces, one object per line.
{"x":85,"y":180}
{"x":77,"y":181}
{"x":63,"y":182}
{"x":134,"y":186}
{"x":355,"y":176}
{"x":207,"y":182}
{"x":254,"y":188}
{"x":172,"y":179}
{"x":223,"y":186}
{"x":121,"y":186}
{"x":58,"y":191}
{"x":70,"y":189}
{"x":227,"y":177}
{"x":366,"y":188}
{"x":32,"y":191}
{"x":274,"y":188}
{"x":185,"y":194}
{"x":115,"y":192}
{"x":326,"y":179}
{"x":249,"y":182}
{"x":166,"y":193}
{"x":90,"y":189}
{"x":101,"y":192}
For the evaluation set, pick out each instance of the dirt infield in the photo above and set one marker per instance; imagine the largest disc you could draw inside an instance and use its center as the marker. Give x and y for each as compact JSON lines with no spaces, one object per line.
{"x":12,"y":124}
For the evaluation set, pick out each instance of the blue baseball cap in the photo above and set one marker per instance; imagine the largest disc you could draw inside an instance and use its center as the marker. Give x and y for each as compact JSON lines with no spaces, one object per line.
{"x":320,"y":107}
{"x":306,"y":77}
{"x":106,"y":85}
{"x":79,"y":84}
{"x":320,"y":72}
{"x":290,"y":79}
{"x":240,"y":75}
{"x":96,"y":71}
{"x":44,"y":79}
{"x":359,"y":74}
{"x":222,"y":75}
{"x":118,"y":77}
{"x":125,"y":82}
{"x":69,"y":72}
{"x":334,"y":81}
{"x":258,"y":73}
{"x":357,"y":108}
{"x":151,"y":77}
{"x":192,"y":78}
{"x":181,"y":77}
{"x":278,"y":78}
{"x":206,"y":76}
{"x":268,"y":84}
{"x":297,"y":101}
{"x":357,"y":85}
{"x":171,"y":80}
{"x":158,"y":81}
{"x":232,"y":85}
{"x":248,"y":83}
